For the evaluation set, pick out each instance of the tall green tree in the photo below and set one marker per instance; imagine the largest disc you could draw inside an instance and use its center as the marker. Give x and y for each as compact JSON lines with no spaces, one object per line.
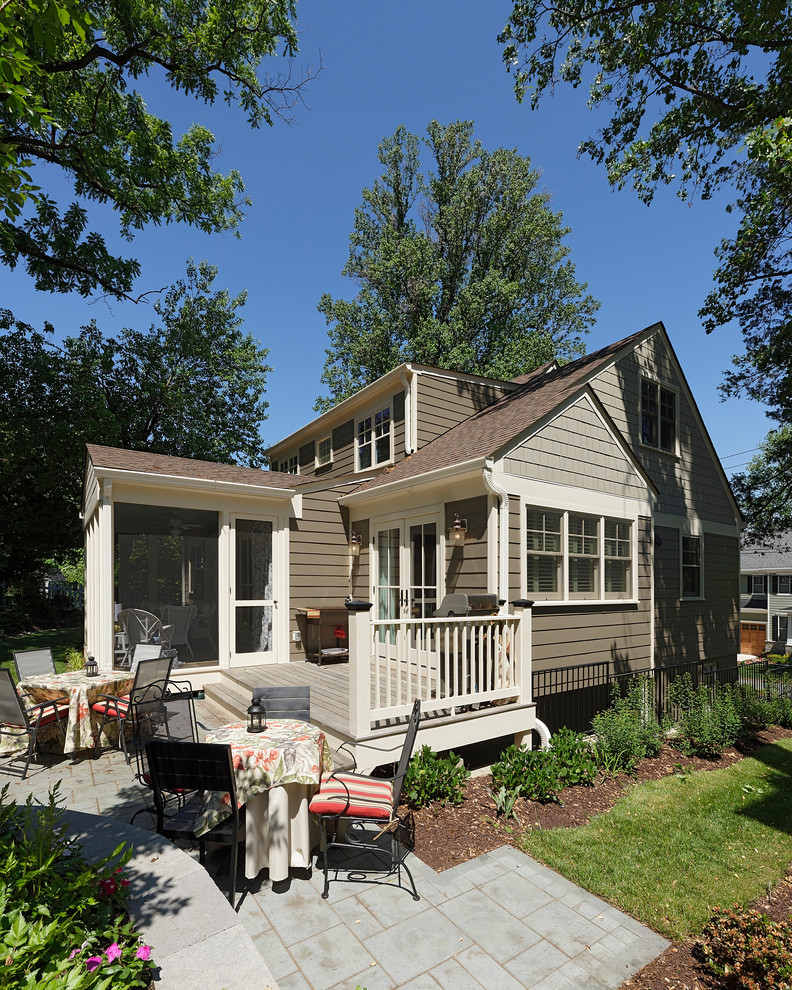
{"x":67,"y":99}
{"x":699,"y":96}
{"x":462,"y":266}
{"x":192,"y":385}
{"x":764,"y":490}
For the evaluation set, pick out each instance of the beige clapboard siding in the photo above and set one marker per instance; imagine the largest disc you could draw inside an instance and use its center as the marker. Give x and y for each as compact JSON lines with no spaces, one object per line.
{"x":515,"y":548}
{"x":566,"y":635}
{"x":576,"y":449}
{"x":318,"y":558}
{"x":689,"y":483}
{"x":466,"y":566}
{"x":444,"y":402}
{"x":696,"y":630}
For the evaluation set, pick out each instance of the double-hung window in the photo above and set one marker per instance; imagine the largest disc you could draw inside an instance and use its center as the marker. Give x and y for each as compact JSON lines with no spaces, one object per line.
{"x":780,"y":628}
{"x":374,"y":439}
{"x":784,"y":581}
{"x":289,"y":465}
{"x":575,"y":557}
{"x":691,"y":567}
{"x":324,"y":451}
{"x":658,"y":416}
{"x":757,"y":584}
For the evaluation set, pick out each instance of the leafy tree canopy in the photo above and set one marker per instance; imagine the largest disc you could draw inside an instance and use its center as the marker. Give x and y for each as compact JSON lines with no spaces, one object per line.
{"x":192,"y":385}
{"x":460,"y":267}
{"x":765,"y":489}
{"x":67,"y":98}
{"x":700,"y":97}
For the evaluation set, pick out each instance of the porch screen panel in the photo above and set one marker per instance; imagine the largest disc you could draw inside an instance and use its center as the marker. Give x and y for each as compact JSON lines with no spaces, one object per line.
{"x":253,"y":628}
{"x":253,"y":623}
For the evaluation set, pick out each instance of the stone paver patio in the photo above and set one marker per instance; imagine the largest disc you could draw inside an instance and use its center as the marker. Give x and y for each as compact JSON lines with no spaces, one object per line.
{"x":499,"y":922}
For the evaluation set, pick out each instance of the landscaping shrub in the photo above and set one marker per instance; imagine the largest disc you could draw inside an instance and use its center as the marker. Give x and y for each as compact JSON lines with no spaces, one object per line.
{"x":63,"y":922}
{"x":708,"y":717}
{"x":779,"y":712}
{"x":754,"y":714}
{"x":747,"y":950}
{"x":540,"y":775}
{"x":432,"y":778}
{"x":574,"y":758}
{"x":628,"y":730}
{"x":778,"y":657}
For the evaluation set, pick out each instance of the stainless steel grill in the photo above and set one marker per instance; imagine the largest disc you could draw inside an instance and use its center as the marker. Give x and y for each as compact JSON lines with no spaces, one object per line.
{"x":460,"y":604}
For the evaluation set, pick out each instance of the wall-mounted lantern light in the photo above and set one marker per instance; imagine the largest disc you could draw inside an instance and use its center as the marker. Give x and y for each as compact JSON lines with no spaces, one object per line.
{"x":354,"y":544}
{"x":457,"y":532}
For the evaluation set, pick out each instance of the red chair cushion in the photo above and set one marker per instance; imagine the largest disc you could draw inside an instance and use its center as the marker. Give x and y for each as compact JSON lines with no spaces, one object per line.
{"x":48,"y":715}
{"x":120,"y":704}
{"x":359,"y":797}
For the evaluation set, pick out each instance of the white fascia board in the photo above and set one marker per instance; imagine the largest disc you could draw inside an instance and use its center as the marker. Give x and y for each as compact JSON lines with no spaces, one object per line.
{"x":91,"y":479}
{"x":195,"y":484}
{"x":693,"y":525}
{"x":550,"y":495}
{"x":429,"y":479}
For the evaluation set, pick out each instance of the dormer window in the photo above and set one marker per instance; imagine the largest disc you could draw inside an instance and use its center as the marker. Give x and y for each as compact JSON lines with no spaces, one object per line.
{"x":658,"y":416}
{"x":324,"y":452}
{"x":374,"y":441}
{"x":289,"y":465}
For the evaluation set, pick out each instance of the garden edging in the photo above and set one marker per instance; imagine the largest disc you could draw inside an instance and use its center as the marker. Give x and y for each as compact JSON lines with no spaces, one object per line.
{"x":196,"y":937}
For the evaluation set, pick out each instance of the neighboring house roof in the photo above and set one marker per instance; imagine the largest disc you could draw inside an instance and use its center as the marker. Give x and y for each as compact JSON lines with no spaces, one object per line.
{"x":487,"y":431}
{"x":117,"y":459}
{"x":775,"y":556}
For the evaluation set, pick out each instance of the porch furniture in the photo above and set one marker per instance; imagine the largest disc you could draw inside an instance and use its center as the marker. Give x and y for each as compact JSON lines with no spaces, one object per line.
{"x":139,"y":626}
{"x":169,"y":717}
{"x":277,"y":772}
{"x":326,"y":632}
{"x":29,"y":663}
{"x":144,"y":651}
{"x":207,"y":770}
{"x":148,"y":686}
{"x":368,"y":808}
{"x":80,"y":691}
{"x":180,"y":618}
{"x":21,"y":723}
{"x":285,"y":702}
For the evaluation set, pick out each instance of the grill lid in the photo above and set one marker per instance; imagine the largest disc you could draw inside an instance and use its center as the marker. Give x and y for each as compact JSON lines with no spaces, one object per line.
{"x":460,"y":604}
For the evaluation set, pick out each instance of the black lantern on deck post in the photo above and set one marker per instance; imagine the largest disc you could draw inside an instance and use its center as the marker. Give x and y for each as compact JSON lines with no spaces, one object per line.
{"x":91,"y":667}
{"x":257,"y":717}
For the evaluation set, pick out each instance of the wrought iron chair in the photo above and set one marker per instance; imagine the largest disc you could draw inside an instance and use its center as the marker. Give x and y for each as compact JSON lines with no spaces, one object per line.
{"x":17,"y":720}
{"x":171,"y":719}
{"x":180,"y":618}
{"x":148,"y":688}
{"x":139,"y":626}
{"x":285,"y":702}
{"x":31,"y":663}
{"x":198,"y":767}
{"x":368,"y":807}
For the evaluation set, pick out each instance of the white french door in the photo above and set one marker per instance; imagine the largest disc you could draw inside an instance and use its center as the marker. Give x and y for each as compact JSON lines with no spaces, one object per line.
{"x":253,"y":601}
{"x":406,"y":574}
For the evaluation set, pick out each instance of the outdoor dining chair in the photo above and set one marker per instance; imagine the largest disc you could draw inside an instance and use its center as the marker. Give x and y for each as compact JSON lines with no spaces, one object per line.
{"x":32,"y":663}
{"x":180,"y":618}
{"x":148,"y":689}
{"x":285,"y":702}
{"x":198,"y":767}
{"x":139,"y":626}
{"x":18,"y":720}
{"x":368,"y":807}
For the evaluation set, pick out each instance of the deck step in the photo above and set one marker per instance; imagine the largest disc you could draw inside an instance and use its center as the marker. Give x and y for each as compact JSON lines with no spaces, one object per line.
{"x":224,"y":693}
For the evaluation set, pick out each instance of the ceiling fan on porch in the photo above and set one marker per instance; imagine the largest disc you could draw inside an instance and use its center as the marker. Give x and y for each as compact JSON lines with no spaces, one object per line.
{"x":179,"y":528}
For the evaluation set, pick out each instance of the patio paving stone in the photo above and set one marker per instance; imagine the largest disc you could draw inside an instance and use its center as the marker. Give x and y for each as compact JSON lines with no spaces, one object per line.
{"x":331,"y":956}
{"x":416,"y":945}
{"x":519,"y":893}
{"x":486,"y":971}
{"x":502,"y":935}
{"x":536,"y":963}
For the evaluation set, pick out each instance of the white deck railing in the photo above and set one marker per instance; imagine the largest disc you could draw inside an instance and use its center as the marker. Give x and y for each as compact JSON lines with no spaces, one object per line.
{"x":451,"y":664}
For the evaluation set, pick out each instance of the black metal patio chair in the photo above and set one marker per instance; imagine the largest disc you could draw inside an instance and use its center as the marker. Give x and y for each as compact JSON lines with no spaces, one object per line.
{"x":368,"y":807}
{"x":18,"y":720}
{"x":32,"y":663}
{"x":285,"y":702}
{"x":195,"y":767}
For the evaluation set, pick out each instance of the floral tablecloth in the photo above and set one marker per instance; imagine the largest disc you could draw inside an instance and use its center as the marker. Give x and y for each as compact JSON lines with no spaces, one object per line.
{"x":287,"y":752}
{"x":81,"y":691}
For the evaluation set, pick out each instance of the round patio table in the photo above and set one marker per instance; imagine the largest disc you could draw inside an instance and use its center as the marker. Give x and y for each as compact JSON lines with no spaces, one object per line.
{"x":277,"y":773}
{"x":81,"y":691}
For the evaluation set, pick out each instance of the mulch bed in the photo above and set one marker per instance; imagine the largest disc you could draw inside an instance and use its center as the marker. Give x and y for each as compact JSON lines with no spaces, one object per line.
{"x":451,"y":835}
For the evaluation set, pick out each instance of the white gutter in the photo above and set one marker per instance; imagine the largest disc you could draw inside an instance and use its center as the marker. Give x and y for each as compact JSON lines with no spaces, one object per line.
{"x":198,"y":484}
{"x":502,"y":590}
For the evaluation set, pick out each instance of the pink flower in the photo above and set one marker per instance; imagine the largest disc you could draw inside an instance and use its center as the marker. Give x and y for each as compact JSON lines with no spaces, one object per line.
{"x":93,"y":962}
{"x":75,"y":952}
{"x":144,"y":953}
{"x":113,"y":952}
{"x":108,"y":887}
{"x":124,"y":883}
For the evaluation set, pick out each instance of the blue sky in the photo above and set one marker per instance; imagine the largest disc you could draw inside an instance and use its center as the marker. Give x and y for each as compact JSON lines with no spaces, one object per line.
{"x":386,"y":65}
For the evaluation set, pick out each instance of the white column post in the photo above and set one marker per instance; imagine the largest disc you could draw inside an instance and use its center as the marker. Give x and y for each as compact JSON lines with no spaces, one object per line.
{"x":522,"y":608}
{"x":104,"y":592}
{"x":359,"y":668}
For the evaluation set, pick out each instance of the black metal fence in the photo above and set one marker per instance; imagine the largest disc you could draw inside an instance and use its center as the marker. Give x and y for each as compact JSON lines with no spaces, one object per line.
{"x":572,"y":696}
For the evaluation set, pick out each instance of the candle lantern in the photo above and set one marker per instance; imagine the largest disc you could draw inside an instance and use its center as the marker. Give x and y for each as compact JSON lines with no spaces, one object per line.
{"x":91,"y":667}
{"x":257,"y":717}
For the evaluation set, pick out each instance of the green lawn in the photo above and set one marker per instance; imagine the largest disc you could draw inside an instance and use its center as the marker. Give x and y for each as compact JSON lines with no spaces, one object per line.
{"x":59,"y":640}
{"x":672,"y":850}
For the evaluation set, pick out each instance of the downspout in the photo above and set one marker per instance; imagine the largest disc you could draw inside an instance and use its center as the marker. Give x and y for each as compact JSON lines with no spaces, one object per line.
{"x":502,"y":590}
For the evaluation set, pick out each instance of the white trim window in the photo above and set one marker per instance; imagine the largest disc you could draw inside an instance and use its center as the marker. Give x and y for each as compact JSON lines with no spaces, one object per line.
{"x":573,"y":556}
{"x":374,"y":439}
{"x":691,"y":561}
{"x":757,"y":584}
{"x":289,"y":465}
{"x":658,"y":416}
{"x":784,"y":583}
{"x":780,"y":628}
{"x":324,"y":451}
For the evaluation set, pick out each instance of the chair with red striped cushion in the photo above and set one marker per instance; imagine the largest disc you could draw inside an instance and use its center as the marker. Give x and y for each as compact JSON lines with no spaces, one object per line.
{"x":148,"y":689}
{"x":368,"y":808}
{"x":18,"y":720}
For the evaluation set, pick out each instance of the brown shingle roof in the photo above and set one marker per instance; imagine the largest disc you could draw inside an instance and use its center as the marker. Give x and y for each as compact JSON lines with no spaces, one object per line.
{"x":484,"y":433}
{"x":115,"y":458}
